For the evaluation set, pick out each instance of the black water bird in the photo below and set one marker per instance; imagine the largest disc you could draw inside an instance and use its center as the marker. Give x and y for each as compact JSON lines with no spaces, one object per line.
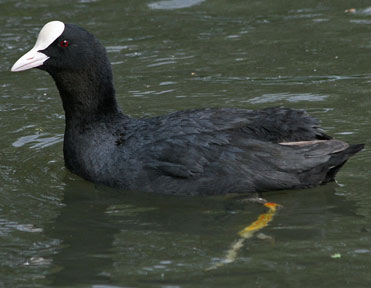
{"x":206,"y":151}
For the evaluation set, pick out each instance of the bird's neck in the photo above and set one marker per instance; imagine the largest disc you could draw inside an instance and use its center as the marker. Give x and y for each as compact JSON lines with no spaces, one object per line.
{"x":87,"y":95}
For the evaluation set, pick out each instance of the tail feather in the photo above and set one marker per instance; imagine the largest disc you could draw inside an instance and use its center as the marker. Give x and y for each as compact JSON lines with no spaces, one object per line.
{"x":338,"y":160}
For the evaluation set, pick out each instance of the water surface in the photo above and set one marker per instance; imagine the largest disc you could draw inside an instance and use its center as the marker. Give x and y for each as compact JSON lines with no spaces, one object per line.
{"x":57,"y":230}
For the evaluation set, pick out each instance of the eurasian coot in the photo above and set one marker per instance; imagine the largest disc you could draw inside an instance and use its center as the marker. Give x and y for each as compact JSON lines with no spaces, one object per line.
{"x":206,"y":151}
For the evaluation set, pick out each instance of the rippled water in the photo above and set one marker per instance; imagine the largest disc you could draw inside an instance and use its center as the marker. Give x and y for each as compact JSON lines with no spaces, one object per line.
{"x":57,"y":230}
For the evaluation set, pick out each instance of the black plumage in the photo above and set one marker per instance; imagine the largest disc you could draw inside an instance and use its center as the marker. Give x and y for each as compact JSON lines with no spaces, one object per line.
{"x":206,"y":151}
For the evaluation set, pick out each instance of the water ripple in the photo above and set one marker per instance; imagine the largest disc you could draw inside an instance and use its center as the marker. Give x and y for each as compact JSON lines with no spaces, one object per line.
{"x":174,"y":4}
{"x":289,"y":97}
{"x":161,"y":63}
{"x":40,"y":139}
{"x":7,"y":226}
{"x":360,"y":21}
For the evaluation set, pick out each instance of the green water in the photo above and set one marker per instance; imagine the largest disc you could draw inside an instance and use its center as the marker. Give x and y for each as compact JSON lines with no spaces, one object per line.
{"x":57,"y":230}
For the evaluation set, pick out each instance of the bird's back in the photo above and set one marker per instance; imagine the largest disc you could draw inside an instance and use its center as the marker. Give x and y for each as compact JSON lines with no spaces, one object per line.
{"x":211,"y":151}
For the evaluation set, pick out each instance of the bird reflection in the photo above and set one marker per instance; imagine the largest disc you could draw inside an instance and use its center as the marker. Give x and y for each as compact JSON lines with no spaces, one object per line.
{"x":89,"y":229}
{"x":86,"y":233}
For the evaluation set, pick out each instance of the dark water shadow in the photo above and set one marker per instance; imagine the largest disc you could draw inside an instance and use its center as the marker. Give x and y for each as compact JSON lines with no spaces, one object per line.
{"x":86,"y":228}
{"x":86,"y":235}
{"x":87,"y":231}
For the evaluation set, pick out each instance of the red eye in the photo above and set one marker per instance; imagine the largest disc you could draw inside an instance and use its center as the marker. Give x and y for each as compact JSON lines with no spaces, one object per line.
{"x":64,"y":43}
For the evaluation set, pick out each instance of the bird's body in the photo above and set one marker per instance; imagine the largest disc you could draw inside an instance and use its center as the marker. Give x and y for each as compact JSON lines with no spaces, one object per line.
{"x":205,"y":151}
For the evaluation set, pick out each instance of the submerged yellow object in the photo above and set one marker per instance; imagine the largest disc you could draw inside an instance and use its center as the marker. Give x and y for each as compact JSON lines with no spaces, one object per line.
{"x":261,"y":222}
{"x":246,"y":233}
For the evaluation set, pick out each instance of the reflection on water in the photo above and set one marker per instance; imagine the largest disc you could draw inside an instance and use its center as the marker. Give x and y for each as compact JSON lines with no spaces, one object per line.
{"x":58,"y":230}
{"x":174,"y":4}
{"x":129,"y":239}
{"x":364,"y":11}
{"x":40,"y":138}
{"x":7,"y":226}
{"x":266,"y":98}
{"x":86,"y":235}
